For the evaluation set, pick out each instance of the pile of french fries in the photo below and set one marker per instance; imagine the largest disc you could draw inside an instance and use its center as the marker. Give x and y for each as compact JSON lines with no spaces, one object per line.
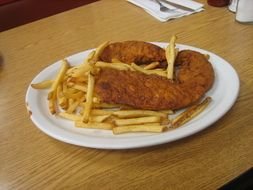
{"x":71,"y":96}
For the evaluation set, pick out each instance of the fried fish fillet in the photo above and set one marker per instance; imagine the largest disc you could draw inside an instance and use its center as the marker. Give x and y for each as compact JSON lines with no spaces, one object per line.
{"x":194,"y":77}
{"x":133,"y":52}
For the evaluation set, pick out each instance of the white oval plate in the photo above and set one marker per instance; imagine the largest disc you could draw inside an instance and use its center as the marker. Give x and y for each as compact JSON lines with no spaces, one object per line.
{"x":224,"y":93}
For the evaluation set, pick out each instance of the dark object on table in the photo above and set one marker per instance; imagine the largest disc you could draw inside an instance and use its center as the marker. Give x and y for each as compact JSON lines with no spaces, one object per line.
{"x":19,"y":12}
{"x":242,"y":182}
{"x":218,"y":3}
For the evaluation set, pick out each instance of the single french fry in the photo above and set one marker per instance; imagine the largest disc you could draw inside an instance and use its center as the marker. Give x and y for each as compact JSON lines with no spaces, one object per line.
{"x":89,"y":57}
{"x":120,"y":64}
{"x":148,"y":72}
{"x":117,"y":66}
{"x":81,"y":70}
{"x":52,"y":95}
{"x":94,"y":125}
{"x":170,"y":54}
{"x":89,"y":98}
{"x":104,"y":106}
{"x":190,"y":113}
{"x":59,"y":91}
{"x":60,"y":75}
{"x":139,"y":120}
{"x":52,"y":102}
{"x":139,"y":128}
{"x":43,"y":85}
{"x":101,"y":112}
{"x":138,"y":113}
{"x":99,"y":118}
{"x":60,"y":98}
{"x":75,"y":117}
{"x":99,"y":50}
{"x":165,"y":121}
{"x":70,"y":70}
{"x":79,"y":79}
{"x":152,"y":65}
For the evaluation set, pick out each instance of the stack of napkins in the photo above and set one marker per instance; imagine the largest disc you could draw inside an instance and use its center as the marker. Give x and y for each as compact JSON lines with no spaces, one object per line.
{"x":179,"y":8}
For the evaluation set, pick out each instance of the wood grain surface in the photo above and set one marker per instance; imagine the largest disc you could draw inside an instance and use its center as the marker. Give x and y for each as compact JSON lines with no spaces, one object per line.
{"x":29,"y":159}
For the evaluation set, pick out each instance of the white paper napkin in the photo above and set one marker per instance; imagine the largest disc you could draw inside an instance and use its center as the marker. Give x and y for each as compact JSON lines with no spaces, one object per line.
{"x":180,"y":8}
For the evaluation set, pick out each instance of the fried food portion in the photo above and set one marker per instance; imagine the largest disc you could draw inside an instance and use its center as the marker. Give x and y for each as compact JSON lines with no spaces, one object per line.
{"x":194,"y":76}
{"x":133,"y":52}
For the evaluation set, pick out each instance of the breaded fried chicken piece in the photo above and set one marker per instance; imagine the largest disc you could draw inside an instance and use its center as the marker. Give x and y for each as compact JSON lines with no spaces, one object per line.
{"x":195,"y":76}
{"x":133,"y":51}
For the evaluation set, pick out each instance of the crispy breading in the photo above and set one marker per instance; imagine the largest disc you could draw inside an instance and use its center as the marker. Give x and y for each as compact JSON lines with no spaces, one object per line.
{"x":133,"y":52}
{"x":194,"y":77}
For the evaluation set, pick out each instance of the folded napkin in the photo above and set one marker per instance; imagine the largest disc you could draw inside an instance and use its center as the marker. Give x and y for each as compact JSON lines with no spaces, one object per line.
{"x":180,"y":8}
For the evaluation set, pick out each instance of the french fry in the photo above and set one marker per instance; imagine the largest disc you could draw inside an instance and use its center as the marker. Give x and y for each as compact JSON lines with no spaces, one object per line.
{"x":104,"y":106}
{"x":52,"y":102}
{"x":75,"y":117}
{"x":138,"y":113}
{"x":118,"y":66}
{"x":139,"y":120}
{"x":52,"y":96}
{"x":170,"y":54}
{"x":80,"y":79}
{"x":139,"y":128}
{"x":62,"y":100}
{"x":43,"y":85}
{"x":94,"y":125}
{"x":59,"y":91}
{"x":60,"y":75}
{"x":80,"y":71}
{"x":73,"y":94}
{"x":148,"y":72}
{"x":99,"y":118}
{"x":89,"y":57}
{"x":152,"y":65}
{"x":101,"y":112}
{"x":89,"y":98}
{"x":190,"y":113}
{"x":99,"y":50}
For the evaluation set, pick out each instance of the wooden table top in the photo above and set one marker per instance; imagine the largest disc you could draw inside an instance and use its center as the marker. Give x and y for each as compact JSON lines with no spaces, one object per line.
{"x":29,"y":159}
